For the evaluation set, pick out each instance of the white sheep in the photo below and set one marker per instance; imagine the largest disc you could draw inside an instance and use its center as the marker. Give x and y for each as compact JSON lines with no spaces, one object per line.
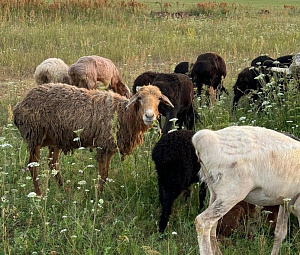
{"x":255,"y":164}
{"x":50,"y":115}
{"x":52,"y":70}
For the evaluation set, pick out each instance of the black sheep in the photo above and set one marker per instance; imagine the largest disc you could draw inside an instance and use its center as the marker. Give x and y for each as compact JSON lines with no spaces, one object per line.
{"x":209,"y":69}
{"x":143,"y":79}
{"x":245,"y":84}
{"x":177,"y":168}
{"x":184,"y":68}
{"x":248,"y":81}
{"x":262,"y":60}
{"x":179,"y":89}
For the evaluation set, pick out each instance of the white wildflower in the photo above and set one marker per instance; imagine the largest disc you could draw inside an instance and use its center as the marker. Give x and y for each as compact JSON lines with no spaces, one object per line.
{"x":83,"y":182}
{"x":33,"y":164}
{"x":32,"y":194}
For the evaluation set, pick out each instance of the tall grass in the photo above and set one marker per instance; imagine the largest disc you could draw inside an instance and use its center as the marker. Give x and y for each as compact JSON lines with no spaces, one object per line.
{"x":124,"y":220}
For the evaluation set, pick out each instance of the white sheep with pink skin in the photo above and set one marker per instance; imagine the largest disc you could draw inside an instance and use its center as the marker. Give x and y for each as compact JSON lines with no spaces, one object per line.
{"x":255,"y":164}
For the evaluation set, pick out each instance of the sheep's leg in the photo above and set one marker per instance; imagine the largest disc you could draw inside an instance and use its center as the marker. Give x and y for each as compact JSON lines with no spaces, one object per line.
{"x":34,"y":157}
{"x":167,"y":200}
{"x":103,"y":167}
{"x":281,"y":229}
{"x":202,"y":195}
{"x":220,"y":203}
{"x":53,"y":163}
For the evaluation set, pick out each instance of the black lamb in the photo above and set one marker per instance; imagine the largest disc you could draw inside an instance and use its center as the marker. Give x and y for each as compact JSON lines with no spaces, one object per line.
{"x":179,"y":89}
{"x":177,"y":168}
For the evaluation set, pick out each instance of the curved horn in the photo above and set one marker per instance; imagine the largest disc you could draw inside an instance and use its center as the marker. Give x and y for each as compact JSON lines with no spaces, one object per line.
{"x":166,"y":101}
{"x":132,"y":99}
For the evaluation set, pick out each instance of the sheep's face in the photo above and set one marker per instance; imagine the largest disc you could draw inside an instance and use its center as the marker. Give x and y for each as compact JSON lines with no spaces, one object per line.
{"x":147,"y":100}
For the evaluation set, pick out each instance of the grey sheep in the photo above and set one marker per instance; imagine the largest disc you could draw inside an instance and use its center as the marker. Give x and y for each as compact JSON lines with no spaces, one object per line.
{"x":89,"y":69}
{"x":52,"y":70}
{"x":50,"y":115}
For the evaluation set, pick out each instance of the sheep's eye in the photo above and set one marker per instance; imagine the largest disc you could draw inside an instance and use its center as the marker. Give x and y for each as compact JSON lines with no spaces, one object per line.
{"x":160,"y":98}
{"x":139,"y":99}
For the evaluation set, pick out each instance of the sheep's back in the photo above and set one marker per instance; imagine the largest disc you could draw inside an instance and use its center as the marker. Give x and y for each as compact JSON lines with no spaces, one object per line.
{"x":175,"y":159}
{"x":55,"y":111}
{"x":260,"y":154}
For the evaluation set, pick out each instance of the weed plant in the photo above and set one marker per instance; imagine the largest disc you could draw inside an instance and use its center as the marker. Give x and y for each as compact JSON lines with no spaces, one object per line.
{"x":124,"y":220}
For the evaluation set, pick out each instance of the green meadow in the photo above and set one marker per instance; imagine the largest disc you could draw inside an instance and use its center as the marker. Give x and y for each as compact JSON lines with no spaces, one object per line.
{"x":124,"y":220}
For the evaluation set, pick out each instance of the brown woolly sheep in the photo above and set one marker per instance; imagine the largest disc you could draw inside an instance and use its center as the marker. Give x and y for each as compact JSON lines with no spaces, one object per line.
{"x":52,"y":70}
{"x":89,"y":69}
{"x":50,"y":114}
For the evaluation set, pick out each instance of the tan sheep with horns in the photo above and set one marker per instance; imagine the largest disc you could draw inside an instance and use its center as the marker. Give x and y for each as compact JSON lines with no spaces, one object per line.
{"x":50,"y":114}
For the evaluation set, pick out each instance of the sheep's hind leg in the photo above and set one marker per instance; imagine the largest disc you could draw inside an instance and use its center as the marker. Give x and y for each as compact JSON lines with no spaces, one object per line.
{"x":53,"y":163}
{"x":33,"y":158}
{"x":282,"y":223}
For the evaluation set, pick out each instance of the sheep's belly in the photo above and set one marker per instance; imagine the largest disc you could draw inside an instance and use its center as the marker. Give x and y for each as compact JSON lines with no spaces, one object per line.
{"x":259,"y":197}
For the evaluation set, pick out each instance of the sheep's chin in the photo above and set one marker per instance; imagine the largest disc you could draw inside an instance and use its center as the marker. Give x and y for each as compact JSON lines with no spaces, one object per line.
{"x":148,"y":123}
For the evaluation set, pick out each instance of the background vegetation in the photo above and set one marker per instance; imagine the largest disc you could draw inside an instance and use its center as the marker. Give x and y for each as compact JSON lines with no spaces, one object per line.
{"x":124,"y":220}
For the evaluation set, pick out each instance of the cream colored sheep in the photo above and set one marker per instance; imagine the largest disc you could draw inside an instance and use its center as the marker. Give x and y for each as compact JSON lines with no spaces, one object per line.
{"x":52,"y":70}
{"x":255,"y":164}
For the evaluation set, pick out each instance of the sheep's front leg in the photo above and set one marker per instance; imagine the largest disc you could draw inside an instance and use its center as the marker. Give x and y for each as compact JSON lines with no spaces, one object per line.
{"x":53,"y":163}
{"x":34,"y":157}
{"x":103,"y":167}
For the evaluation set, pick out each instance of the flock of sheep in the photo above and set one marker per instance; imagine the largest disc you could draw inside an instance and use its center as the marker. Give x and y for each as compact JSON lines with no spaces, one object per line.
{"x":239,"y":165}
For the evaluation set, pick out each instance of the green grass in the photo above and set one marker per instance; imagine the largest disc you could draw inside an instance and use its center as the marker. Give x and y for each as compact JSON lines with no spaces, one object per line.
{"x":125,"y":219}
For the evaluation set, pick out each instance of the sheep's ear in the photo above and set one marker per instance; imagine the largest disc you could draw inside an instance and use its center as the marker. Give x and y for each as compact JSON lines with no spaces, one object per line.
{"x":166,"y":101}
{"x":132,"y":100}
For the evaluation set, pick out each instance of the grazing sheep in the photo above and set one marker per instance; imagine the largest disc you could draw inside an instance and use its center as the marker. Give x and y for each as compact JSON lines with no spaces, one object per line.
{"x":285,"y":61}
{"x":262,"y":60}
{"x":50,"y":116}
{"x":209,"y":69}
{"x":253,"y":80}
{"x":177,"y":169}
{"x":179,"y":89}
{"x":255,"y":164}
{"x":89,"y":69}
{"x":184,"y":68}
{"x":52,"y":70}
{"x":246,"y":83}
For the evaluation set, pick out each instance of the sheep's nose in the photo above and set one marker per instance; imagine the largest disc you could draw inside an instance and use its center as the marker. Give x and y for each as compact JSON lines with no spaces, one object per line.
{"x":149,"y":114}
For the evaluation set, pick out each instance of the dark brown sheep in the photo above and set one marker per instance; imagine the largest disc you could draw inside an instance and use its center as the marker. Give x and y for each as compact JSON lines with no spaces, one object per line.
{"x":50,"y":115}
{"x":179,"y":89}
{"x":209,"y":69}
{"x":89,"y":69}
